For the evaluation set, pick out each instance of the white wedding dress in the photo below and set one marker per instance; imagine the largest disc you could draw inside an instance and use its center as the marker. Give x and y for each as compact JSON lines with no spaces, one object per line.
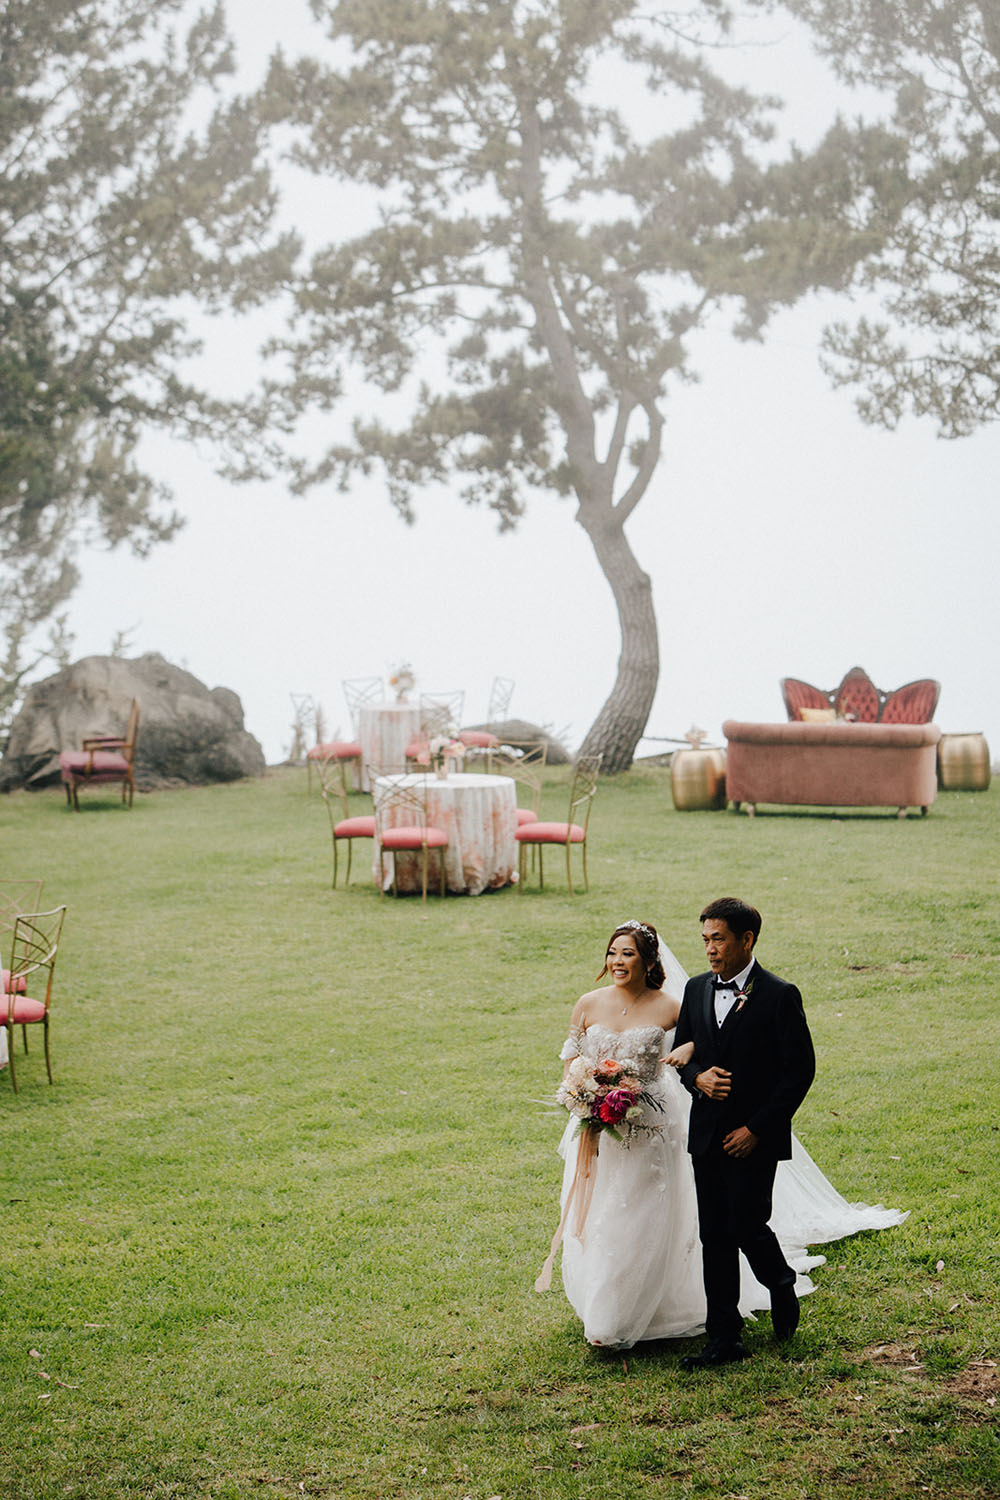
{"x":635,"y":1272}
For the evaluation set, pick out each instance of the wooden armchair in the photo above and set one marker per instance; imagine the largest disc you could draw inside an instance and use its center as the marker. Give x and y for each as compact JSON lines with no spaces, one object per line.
{"x":105,"y":759}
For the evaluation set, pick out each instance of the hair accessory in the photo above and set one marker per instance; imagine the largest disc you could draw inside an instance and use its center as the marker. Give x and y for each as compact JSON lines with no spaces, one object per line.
{"x":639,"y":927}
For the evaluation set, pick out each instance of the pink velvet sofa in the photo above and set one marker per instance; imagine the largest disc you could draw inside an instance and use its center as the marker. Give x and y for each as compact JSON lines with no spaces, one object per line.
{"x":832,"y":765}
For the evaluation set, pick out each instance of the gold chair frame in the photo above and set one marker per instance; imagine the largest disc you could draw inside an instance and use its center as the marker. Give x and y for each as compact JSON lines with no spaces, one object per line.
{"x":333,"y":789}
{"x":501,"y":692}
{"x":392,"y":791}
{"x":524,"y":762}
{"x":359,"y":693}
{"x":581,"y":796}
{"x":16,"y":897}
{"x":33,"y":951}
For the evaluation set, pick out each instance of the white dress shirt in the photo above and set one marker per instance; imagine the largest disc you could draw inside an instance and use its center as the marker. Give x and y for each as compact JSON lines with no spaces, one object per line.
{"x":726,"y":999}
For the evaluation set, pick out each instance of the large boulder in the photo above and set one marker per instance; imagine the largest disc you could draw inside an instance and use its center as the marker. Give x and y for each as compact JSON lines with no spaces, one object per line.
{"x":188,"y":733}
{"x":522,"y":730}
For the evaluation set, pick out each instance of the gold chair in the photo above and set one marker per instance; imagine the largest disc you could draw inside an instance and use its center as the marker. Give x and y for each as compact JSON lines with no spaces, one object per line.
{"x":333,"y":790}
{"x":32,"y":966}
{"x":524,"y":762}
{"x":401,"y":825}
{"x":439,"y":716}
{"x":104,"y":759}
{"x":16,"y":896}
{"x":537,"y":834}
{"x":485,"y":739}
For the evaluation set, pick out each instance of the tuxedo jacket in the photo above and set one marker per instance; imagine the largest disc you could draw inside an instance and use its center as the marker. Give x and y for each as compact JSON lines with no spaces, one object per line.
{"x":765,"y":1044}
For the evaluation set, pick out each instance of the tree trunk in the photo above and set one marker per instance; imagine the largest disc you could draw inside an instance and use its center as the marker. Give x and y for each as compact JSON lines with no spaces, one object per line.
{"x":619,"y":726}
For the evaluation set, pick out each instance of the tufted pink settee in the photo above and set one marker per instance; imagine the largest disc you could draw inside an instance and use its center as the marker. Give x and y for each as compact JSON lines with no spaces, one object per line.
{"x":832,"y":764}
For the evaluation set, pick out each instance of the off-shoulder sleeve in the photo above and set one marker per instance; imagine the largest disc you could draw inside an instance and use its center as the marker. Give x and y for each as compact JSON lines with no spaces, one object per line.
{"x":573,"y":1043}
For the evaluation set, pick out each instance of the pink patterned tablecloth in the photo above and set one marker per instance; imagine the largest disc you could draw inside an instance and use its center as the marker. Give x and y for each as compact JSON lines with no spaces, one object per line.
{"x":479,"y":815}
{"x":384,"y":731}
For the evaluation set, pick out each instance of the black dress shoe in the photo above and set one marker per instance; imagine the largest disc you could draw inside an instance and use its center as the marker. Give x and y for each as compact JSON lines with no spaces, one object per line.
{"x":784,"y":1312}
{"x":716,"y":1352}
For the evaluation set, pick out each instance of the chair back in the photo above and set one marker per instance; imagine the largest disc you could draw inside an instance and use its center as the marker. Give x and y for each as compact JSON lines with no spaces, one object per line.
{"x":17,"y":896}
{"x":400,"y":799}
{"x":798,"y":695}
{"x":858,"y":698}
{"x":359,"y":692}
{"x":333,"y":786}
{"x":131,"y":732}
{"x":440,"y":713}
{"x":524,"y":762}
{"x":583,"y":788}
{"x":913,"y":703}
{"x":33,"y":955}
{"x":500,"y":695}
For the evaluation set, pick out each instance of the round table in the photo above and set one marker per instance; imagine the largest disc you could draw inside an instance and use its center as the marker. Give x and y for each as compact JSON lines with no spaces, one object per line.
{"x":479,"y":815}
{"x":384,"y":731}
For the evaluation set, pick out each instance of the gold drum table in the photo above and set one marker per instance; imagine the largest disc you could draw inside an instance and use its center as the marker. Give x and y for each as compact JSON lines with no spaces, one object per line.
{"x":963,"y":763}
{"x":698,"y":780}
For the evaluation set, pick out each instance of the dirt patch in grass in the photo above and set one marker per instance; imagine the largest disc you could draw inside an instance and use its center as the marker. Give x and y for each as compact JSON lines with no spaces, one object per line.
{"x":894,"y":1356}
{"x":976,"y":1387}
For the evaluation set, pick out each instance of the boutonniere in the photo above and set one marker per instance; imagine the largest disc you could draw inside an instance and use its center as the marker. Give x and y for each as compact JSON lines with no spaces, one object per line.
{"x":742,"y":996}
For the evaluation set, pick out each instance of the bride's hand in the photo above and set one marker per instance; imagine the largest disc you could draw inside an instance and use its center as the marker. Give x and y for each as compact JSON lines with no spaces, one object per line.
{"x":681,"y":1056}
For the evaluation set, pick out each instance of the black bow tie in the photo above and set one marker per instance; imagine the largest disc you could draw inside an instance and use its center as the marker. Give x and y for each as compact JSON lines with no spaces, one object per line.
{"x":724,"y":984}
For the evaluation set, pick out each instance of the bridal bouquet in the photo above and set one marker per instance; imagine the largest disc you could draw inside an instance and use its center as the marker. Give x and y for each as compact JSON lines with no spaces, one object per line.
{"x":604,"y":1095}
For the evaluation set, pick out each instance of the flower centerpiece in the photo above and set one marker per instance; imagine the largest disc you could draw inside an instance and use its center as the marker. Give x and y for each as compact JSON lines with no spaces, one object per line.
{"x":403,"y":681}
{"x":442,"y":750}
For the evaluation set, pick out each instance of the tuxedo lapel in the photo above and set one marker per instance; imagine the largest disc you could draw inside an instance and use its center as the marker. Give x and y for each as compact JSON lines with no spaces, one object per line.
{"x":708,"y":1008}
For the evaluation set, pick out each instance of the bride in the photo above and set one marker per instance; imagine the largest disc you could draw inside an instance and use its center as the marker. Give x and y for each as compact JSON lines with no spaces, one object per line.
{"x":631,"y":1261}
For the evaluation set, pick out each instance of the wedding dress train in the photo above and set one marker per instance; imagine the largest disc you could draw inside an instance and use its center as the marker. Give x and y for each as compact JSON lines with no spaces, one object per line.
{"x":635,"y":1271}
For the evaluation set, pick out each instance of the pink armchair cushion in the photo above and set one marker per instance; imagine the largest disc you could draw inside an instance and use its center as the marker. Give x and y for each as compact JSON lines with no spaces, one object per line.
{"x":361,"y":827}
{"x":335,"y":750}
{"x":914,"y":703}
{"x":100,"y":763}
{"x":20,"y":983}
{"x":798,"y":695}
{"x":26,"y":1011}
{"x":525,"y":815}
{"x":406,"y":837}
{"x":858,"y":697}
{"x":550,"y":833}
{"x":478,"y":739}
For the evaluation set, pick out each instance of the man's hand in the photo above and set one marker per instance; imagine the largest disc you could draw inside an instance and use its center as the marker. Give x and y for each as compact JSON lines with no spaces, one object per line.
{"x":715,"y":1083}
{"x":739,"y":1143}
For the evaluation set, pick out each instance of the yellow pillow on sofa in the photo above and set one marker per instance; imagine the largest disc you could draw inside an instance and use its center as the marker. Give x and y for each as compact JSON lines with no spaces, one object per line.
{"x":818,"y":715}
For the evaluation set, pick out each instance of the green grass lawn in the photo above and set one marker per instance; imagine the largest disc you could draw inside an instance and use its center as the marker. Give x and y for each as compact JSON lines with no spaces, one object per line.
{"x":274,"y":1230}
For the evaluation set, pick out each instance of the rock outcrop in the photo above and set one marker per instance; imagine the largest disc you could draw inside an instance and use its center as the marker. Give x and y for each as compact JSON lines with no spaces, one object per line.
{"x":188,"y":733}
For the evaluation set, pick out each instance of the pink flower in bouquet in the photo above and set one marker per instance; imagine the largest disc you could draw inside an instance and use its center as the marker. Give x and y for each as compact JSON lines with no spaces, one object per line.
{"x":615,"y":1105}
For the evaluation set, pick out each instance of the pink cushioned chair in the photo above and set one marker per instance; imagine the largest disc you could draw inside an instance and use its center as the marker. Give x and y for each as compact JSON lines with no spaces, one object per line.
{"x":401,"y":826}
{"x":16,"y":896}
{"x":32,"y":966}
{"x":333,"y":790}
{"x":538,"y":834}
{"x":105,"y":760}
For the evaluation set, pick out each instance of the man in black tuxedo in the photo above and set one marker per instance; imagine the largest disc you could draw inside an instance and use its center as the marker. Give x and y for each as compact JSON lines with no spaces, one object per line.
{"x":751,"y":1068}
